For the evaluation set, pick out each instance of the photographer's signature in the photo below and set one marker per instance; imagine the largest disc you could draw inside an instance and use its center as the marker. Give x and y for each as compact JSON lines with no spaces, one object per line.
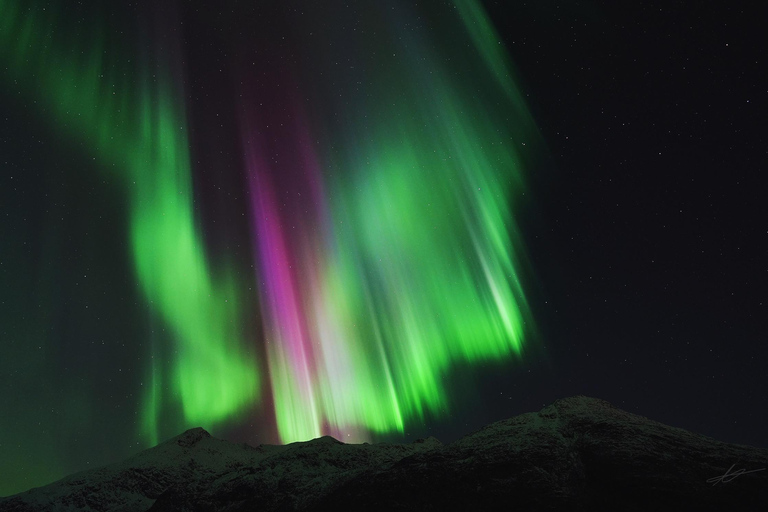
{"x":728,"y":476}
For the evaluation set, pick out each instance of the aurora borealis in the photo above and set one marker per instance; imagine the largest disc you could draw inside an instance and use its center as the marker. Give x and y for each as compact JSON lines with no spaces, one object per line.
{"x":212,"y":374}
{"x":383,"y":242}
{"x":407,"y":244}
{"x":277,"y":220}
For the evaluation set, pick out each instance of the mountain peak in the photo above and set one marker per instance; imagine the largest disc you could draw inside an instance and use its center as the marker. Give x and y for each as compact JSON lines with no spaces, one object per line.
{"x":191,"y":437}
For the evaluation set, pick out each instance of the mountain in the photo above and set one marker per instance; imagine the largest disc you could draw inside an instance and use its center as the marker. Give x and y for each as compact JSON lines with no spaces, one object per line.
{"x":577,"y":454}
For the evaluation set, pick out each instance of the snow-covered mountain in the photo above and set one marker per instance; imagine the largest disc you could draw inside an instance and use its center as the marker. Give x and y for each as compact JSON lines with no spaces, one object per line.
{"x":579,"y":453}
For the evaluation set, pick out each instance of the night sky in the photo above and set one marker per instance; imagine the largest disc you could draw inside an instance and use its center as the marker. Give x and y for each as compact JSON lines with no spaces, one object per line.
{"x":378,"y":220}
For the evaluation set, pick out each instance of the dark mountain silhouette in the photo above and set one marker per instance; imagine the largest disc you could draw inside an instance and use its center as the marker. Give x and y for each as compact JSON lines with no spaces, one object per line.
{"x":579,"y":453}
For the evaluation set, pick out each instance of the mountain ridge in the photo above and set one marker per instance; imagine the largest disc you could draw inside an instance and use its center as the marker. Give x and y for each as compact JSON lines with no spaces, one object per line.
{"x":577,"y":453}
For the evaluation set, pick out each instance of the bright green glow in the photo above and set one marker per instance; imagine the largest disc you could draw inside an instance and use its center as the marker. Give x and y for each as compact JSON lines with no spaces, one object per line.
{"x":213,"y":375}
{"x":424,"y":274}
{"x":418,"y":268}
{"x":140,"y":134}
{"x":409,"y":269}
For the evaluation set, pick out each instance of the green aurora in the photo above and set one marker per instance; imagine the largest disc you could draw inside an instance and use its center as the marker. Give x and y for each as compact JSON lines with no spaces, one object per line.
{"x":408,"y":265}
{"x":138,"y":131}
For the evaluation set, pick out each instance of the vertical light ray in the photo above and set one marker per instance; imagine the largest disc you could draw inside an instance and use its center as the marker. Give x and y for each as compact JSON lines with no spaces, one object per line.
{"x":406,"y":265}
{"x":138,"y":131}
{"x":289,"y":351}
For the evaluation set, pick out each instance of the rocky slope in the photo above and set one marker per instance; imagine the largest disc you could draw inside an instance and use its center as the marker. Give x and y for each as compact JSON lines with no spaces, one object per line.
{"x":577,"y":454}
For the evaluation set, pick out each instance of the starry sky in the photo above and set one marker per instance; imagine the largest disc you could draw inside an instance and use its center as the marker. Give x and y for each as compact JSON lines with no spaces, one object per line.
{"x":374,"y":220}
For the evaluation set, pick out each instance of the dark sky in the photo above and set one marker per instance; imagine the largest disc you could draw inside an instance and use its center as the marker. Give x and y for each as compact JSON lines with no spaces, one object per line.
{"x":652,"y":248}
{"x":644,"y":226}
